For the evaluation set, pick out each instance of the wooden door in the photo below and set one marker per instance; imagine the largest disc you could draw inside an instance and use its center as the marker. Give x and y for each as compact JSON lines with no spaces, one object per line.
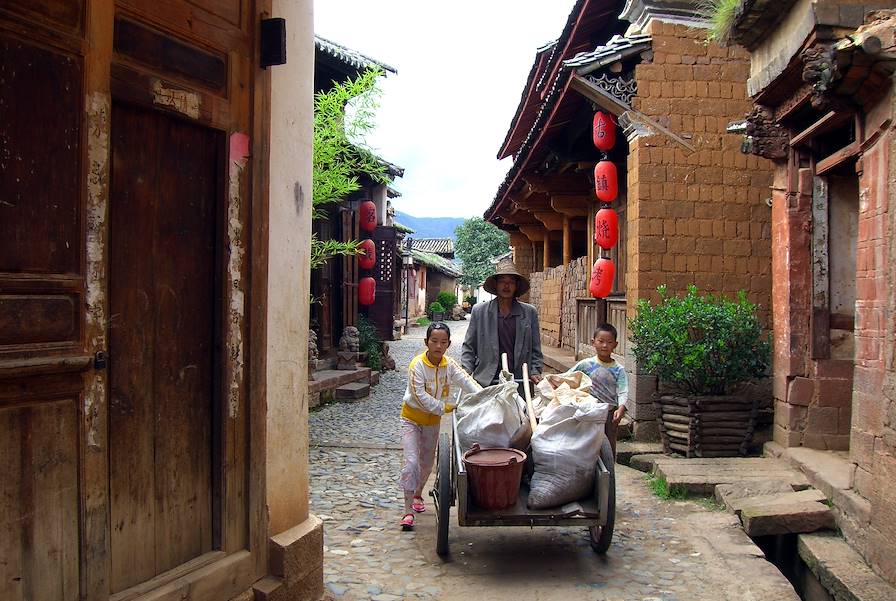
{"x":384,"y":272}
{"x":162,"y":298}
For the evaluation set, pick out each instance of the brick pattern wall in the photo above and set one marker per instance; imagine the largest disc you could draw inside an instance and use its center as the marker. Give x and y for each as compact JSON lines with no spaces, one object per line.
{"x":696,"y":218}
{"x":575,"y":285}
{"x":873,"y":439}
{"x":550,"y":305}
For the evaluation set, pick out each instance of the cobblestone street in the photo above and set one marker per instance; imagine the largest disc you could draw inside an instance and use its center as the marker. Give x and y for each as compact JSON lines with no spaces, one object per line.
{"x":669,"y":551}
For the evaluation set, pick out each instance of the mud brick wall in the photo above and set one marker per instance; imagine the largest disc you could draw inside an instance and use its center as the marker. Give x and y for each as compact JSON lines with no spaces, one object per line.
{"x":575,"y":286}
{"x":533,"y":297}
{"x":550,"y":305}
{"x":873,"y":417}
{"x":696,"y":217}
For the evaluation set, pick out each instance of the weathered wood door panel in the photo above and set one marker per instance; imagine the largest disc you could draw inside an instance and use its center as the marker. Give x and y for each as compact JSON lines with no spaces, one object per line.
{"x":162,"y":299}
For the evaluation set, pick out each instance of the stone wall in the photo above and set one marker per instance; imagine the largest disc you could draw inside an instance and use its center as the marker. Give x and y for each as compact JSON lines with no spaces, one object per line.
{"x":696,"y":217}
{"x":550,"y":305}
{"x":575,"y":285}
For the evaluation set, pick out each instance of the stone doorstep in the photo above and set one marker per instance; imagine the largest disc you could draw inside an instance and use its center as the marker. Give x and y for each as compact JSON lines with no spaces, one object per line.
{"x":826,"y":470}
{"x":627,"y":449}
{"x":328,"y":379}
{"x":841,"y":570}
{"x":790,"y":518}
{"x":783,"y":498}
{"x":701,"y":476}
{"x":352,"y":391}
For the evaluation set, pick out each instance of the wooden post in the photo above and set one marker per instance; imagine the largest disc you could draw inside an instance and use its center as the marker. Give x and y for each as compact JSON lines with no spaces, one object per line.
{"x":567,"y":241}
{"x":546,"y":246}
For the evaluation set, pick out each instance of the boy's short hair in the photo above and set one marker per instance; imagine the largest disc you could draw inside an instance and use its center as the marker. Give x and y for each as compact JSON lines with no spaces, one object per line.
{"x":606,"y":327}
{"x":437,"y":325}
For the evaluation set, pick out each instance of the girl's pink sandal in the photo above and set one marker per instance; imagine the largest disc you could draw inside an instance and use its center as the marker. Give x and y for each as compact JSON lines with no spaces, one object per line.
{"x":407,"y":522}
{"x":418,"y":505}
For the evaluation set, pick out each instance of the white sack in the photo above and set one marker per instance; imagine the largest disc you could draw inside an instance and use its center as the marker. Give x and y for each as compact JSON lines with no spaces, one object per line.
{"x":491,"y":416}
{"x":567,"y":387}
{"x":565,"y":448}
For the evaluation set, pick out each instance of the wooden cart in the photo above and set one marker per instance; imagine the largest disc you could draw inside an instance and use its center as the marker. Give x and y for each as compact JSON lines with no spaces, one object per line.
{"x":596,"y":513}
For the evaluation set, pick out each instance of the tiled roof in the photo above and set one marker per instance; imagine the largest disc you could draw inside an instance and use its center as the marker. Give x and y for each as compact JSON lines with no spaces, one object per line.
{"x":441,"y":246}
{"x":436,"y":262}
{"x":402,"y":228}
{"x":617,"y":48}
{"x":348,"y":56}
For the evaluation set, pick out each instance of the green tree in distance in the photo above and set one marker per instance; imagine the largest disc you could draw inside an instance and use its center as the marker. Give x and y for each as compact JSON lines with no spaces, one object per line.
{"x":340,"y":153}
{"x":477,"y":241}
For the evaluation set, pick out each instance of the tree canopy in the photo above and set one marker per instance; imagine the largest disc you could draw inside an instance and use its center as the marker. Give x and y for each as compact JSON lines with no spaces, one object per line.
{"x":340,"y":153}
{"x":477,"y":241}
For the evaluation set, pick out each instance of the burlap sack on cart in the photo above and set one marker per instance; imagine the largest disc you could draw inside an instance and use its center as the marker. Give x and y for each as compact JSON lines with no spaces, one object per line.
{"x":565,"y":447}
{"x":491,"y":417}
{"x":573,"y":387}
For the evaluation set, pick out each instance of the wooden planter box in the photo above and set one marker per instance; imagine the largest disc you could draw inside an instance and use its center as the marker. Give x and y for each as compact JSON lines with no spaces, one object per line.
{"x":707,"y":426}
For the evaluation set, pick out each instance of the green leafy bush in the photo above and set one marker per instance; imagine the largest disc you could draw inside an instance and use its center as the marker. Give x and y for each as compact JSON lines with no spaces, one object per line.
{"x":471,"y":300}
{"x":703,"y":343}
{"x":370,"y":343}
{"x":448,"y":300}
{"x":436,"y":307}
{"x":423,"y":321}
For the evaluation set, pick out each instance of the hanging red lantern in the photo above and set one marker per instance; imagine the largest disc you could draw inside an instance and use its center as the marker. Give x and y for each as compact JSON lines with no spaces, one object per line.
{"x":606,"y":182}
{"x":603,"y":131}
{"x":602,"y":278}
{"x":606,"y":228}
{"x":368,"y":216}
{"x":366,"y":291}
{"x":368,"y":259}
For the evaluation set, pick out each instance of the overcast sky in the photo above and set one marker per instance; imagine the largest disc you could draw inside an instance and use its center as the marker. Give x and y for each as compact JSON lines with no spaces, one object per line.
{"x":461,"y":69}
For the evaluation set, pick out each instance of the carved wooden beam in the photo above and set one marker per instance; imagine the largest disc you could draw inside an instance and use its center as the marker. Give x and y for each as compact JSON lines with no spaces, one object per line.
{"x":552,"y":221}
{"x":536,"y":201}
{"x":535,"y":233}
{"x":566,"y":183}
{"x":571,"y":206}
{"x":765,"y":137}
{"x":520,"y":217}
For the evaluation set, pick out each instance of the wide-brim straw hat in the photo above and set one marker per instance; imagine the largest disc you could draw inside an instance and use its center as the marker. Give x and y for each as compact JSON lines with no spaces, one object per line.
{"x":506,"y":267}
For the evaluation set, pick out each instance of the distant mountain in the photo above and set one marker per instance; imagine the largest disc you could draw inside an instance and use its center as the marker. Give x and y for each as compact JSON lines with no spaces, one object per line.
{"x":429,"y":227}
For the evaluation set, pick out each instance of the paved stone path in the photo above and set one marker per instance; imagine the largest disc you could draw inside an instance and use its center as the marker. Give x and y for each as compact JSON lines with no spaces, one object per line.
{"x":662,"y":551}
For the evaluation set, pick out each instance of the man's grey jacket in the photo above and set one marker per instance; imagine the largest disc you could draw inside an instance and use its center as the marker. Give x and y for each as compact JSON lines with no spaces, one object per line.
{"x":480,"y":356}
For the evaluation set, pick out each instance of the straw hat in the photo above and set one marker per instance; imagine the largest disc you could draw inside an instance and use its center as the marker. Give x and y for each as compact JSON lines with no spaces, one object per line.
{"x":506,"y":267}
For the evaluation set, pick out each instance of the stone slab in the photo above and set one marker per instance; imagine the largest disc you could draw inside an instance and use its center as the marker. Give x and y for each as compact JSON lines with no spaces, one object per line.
{"x":785,"y":498}
{"x":374,"y":378}
{"x":352,"y":391}
{"x":329,"y":379}
{"x":792,"y":518}
{"x":701,"y":476}
{"x":643,"y":463}
{"x":841,"y":570}
{"x":726,"y":493}
{"x":826,"y":470}
{"x":626,"y":449}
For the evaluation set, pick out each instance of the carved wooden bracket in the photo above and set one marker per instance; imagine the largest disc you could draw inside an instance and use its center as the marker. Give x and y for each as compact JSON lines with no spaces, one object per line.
{"x":822,"y":71}
{"x":763,"y":136}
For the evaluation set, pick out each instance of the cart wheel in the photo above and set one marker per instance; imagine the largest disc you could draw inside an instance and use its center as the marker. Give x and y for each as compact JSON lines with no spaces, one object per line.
{"x":601,"y":536}
{"x":444,"y":493}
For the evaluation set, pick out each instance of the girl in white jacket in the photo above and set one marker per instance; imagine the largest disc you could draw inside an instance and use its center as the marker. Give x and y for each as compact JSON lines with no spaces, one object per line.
{"x":431,"y":378}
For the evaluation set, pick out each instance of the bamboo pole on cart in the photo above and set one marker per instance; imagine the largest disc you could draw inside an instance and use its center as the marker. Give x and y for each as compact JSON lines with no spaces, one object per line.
{"x":530,"y":408}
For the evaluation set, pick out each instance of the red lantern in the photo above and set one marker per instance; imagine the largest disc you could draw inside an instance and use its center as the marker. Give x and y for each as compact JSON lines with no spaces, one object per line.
{"x":368,"y":216}
{"x":368,"y":259}
{"x":366,"y":291}
{"x":606,"y":228}
{"x":606,"y":183}
{"x":603,"y":131}
{"x":602,"y":278}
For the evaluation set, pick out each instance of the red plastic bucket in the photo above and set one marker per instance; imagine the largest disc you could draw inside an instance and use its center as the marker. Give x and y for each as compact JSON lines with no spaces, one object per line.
{"x":494,"y":476}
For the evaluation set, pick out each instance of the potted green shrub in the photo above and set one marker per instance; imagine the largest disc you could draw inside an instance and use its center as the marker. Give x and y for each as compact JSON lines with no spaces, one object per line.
{"x":706,"y":347}
{"x":437,"y":311}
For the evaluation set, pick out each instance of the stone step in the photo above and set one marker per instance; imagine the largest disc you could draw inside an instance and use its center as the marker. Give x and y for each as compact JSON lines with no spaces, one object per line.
{"x":352,"y":391}
{"x":840,"y":570}
{"x":626,"y":450}
{"x":736,"y":505}
{"x":328,"y":379}
{"x":790,"y":518}
{"x":701,"y":476}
